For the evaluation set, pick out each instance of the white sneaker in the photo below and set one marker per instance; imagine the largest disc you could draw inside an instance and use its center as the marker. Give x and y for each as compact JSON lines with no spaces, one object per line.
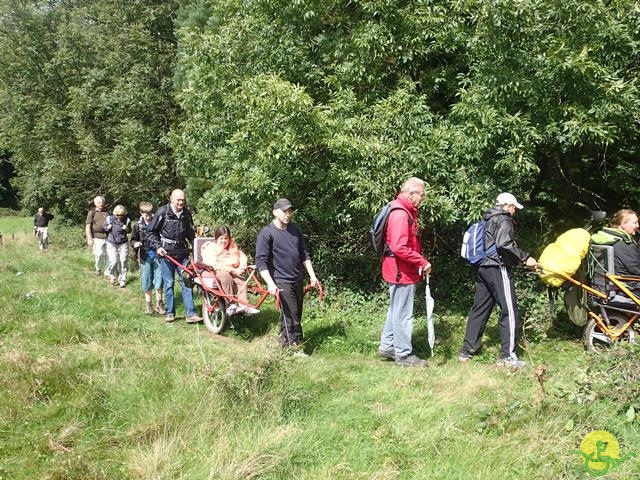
{"x":510,"y":362}
{"x":232,"y":309}
{"x":250,"y":311}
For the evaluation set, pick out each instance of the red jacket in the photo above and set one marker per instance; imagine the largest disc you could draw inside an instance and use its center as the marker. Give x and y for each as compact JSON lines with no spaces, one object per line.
{"x":403,"y":238}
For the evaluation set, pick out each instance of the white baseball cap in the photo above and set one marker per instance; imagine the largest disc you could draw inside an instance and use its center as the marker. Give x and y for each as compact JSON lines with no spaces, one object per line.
{"x":508,"y":199}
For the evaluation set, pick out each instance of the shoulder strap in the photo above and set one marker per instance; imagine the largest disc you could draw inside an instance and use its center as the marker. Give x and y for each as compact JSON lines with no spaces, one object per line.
{"x":395,"y":206}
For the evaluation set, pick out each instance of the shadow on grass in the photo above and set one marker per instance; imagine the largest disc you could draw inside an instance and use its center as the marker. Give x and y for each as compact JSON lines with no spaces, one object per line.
{"x":316,"y":338}
{"x":249,"y":327}
{"x":562,"y":328}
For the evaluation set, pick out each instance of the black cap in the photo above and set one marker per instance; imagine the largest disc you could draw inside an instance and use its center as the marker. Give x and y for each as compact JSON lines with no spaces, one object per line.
{"x":282,"y":204}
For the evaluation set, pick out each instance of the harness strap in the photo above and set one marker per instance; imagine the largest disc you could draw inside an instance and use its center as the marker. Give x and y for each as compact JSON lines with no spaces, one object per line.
{"x":172,"y":242}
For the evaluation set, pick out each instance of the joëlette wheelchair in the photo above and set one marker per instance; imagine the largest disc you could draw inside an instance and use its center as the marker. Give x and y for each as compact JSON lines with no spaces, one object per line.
{"x":214,"y":299}
{"x":606,"y":304}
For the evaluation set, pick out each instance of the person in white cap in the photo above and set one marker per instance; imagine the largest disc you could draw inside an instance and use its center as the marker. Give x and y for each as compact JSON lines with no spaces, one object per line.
{"x":494,"y":284}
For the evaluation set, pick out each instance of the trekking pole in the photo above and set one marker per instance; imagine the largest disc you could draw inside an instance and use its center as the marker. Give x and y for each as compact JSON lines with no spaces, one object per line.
{"x":142,"y":300}
{"x":283,"y":318}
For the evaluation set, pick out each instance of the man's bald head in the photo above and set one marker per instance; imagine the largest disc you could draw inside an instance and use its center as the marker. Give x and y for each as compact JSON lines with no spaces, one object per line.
{"x":177,"y":200}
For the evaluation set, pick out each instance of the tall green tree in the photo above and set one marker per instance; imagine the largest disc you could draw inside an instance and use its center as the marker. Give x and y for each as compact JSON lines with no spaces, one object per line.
{"x":334,"y":103}
{"x":87,"y":99}
{"x":8,"y":195}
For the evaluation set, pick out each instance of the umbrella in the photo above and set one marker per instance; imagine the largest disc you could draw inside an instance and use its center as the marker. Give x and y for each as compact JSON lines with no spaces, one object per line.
{"x":431,"y":333}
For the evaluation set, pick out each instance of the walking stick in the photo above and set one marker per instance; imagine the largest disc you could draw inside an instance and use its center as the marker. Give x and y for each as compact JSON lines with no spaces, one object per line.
{"x":142,"y":300}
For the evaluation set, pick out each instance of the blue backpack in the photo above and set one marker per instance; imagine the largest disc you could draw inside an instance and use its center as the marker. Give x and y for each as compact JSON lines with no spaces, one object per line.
{"x":473,"y":244}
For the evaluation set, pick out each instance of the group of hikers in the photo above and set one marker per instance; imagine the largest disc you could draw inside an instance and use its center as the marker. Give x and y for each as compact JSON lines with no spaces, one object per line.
{"x":403,"y":266}
{"x":282,"y":259}
{"x":163,"y":242}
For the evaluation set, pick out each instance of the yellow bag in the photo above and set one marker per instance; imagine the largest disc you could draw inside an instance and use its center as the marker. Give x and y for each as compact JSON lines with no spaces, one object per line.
{"x":564,"y":255}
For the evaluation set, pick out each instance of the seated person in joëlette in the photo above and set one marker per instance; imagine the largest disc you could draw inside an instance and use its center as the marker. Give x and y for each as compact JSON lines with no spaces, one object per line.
{"x":230,"y":264}
{"x":621,"y":235}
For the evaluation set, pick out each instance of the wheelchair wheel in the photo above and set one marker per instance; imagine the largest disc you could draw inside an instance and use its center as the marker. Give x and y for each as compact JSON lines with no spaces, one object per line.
{"x":596,"y":341}
{"x":213,"y":312}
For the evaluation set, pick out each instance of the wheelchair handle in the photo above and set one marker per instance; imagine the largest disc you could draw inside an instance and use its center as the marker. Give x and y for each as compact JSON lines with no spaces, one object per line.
{"x":318,"y":286}
{"x":179,"y":265}
{"x":307,"y":289}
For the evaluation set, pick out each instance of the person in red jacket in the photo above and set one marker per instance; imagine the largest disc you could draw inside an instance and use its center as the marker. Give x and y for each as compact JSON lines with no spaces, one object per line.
{"x":402,"y":269}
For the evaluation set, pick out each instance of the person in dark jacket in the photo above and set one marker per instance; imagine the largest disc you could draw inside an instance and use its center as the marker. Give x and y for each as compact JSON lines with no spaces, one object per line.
{"x":171,"y":232}
{"x":117,"y":227}
{"x":621,"y":235}
{"x":150,"y":269}
{"x":281,"y":254}
{"x":402,"y":269}
{"x":494,"y":284}
{"x":41,"y":228}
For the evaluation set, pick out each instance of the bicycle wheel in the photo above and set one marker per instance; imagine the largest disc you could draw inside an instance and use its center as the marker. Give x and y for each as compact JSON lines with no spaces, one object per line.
{"x":595,"y":340}
{"x":213,"y":310}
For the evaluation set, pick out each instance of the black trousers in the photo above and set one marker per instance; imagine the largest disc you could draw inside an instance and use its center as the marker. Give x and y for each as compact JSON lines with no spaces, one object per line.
{"x":291,"y":296}
{"x":493,"y":285}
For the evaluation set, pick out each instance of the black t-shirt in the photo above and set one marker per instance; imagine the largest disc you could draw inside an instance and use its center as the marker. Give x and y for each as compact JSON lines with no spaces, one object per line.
{"x":282,"y":253}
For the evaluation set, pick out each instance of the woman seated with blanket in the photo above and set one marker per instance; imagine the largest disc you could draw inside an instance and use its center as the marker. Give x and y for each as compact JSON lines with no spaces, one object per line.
{"x":230,"y":264}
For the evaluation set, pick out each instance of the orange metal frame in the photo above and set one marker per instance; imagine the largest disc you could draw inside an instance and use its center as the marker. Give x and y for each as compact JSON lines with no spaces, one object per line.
{"x":201,"y":272}
{"x":620,"y":282}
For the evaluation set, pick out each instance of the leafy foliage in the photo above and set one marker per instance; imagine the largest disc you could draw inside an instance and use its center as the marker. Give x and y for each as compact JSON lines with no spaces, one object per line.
{"x":328,"y":103}
{"x":8,"y":195}
{"x":335,"y":104}
{"x":87,"y":100}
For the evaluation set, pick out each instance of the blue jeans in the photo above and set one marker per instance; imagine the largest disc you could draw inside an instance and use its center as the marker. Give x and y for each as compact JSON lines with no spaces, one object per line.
{"x":396,"y":334}
{"x":168,"y":276}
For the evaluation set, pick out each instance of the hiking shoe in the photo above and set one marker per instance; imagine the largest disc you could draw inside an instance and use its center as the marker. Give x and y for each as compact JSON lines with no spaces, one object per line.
{"x":160,"y":308}
{"x":464,"y":357}
{"x":386,"y":354}
{"x":148,"y":309}
{"x":510,"y":362}
{"x":411,"y":361}
{"x":170,"y":318}
{"x":193,"y":319}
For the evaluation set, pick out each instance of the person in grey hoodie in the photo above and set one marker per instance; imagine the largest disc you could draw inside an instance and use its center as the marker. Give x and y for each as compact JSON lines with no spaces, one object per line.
{"x":494,"y":284}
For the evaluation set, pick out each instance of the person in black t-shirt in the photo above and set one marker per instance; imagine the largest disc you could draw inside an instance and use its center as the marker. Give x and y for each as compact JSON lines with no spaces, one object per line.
{"x":281,"y":254}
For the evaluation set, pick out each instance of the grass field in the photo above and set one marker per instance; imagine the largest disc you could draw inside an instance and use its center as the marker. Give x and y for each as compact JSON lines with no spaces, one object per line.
{"x":94,"y":389}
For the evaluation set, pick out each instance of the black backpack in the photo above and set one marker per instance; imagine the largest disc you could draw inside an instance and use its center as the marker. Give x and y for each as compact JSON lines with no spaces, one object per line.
{"x":378,"y":231}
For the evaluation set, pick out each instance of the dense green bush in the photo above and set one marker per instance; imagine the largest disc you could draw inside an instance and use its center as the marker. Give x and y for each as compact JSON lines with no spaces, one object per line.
{"x":87,"y":101}
{"x":328,"y":103}
{"x":334,"y":105}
